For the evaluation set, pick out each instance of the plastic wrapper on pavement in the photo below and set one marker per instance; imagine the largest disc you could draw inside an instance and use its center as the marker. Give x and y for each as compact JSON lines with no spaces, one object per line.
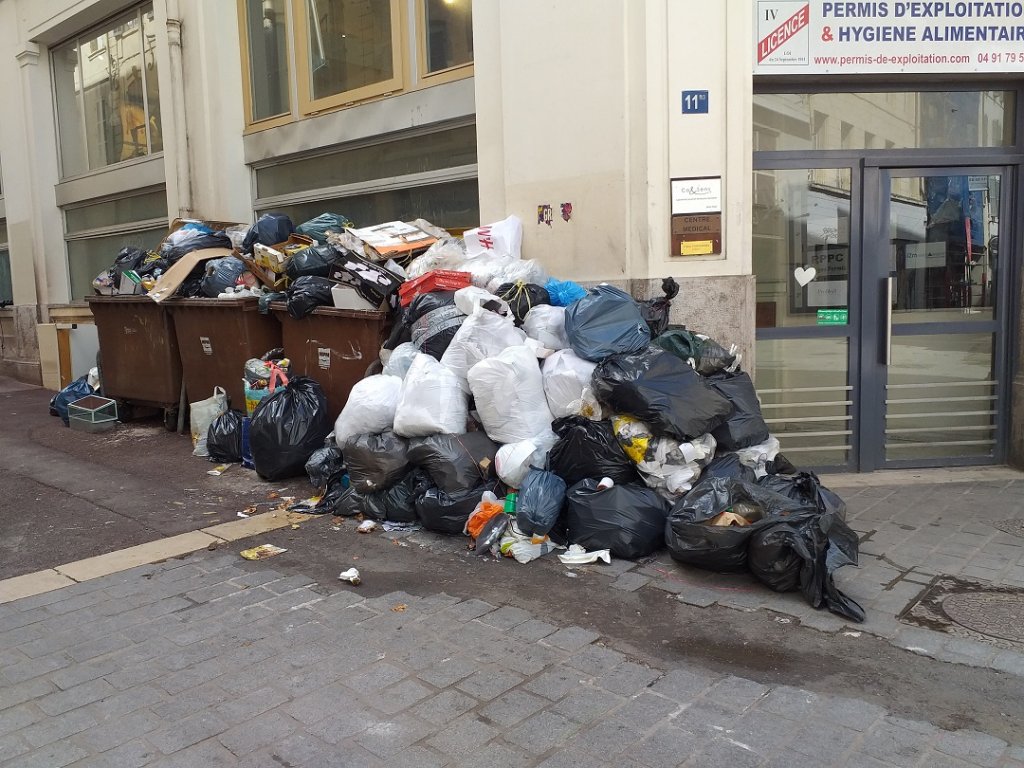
{"x":287,"y":427}
{"x":568,"y":385}
{"x":509,"y":393}
{"x":540,"y":502}
{"x":325,"y":465}
{"x":482,"y":335}
{"x":704,"y":354}
{"x":629,"y":520}
{"x":224,"y":438}
{"x":455,"y":462}
{"x":308,"y":293}
{"x":521,"y":298}
{"x":514,"y":460}
{"x":589,"y":449}
{"x":370,"y":408}
{"x":432,"y":401}
{"x":397,"y":504}
{"x":546,"y":324}
{"x":448,"y":512}
{"x":269,"y":229}
{"x":319,"y":227}
{"x":656,"y":311}
{"x":434,"y":331}
{"x":745,"y":426}
{"x":661,"y":390}
{"x":376,"y":462}
{"x":607,"y":321}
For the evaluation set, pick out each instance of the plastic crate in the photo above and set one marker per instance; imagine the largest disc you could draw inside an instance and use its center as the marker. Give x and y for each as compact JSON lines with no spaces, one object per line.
{"x":92,"y":413}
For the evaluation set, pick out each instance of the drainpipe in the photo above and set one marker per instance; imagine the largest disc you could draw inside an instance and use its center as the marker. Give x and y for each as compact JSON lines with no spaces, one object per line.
{"x":182,"y":172}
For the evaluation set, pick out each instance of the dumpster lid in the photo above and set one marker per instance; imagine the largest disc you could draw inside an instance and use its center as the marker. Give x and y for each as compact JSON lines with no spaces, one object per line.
{"x":327,"y":311}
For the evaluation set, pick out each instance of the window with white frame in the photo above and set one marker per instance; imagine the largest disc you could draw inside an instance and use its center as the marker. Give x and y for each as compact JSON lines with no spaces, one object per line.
{"x":107,"y":95}
{"x":346,"y":51}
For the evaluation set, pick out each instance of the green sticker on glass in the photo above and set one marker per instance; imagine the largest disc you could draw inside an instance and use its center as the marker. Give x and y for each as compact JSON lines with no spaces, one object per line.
{"x":833,"y":316}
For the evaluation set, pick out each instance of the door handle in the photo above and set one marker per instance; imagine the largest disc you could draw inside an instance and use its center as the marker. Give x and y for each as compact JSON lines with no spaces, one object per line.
{"x":887,"y":325}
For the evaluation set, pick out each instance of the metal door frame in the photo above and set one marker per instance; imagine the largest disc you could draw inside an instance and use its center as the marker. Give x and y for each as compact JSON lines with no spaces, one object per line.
{"x":870,"y":425}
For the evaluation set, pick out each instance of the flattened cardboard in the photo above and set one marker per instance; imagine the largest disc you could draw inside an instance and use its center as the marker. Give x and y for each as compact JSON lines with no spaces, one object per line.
{"x":172,"y":279}
{"x":392,"y":240}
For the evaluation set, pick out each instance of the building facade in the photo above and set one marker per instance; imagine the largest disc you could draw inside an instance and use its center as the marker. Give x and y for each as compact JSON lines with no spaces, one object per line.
{"x":834,"y":185}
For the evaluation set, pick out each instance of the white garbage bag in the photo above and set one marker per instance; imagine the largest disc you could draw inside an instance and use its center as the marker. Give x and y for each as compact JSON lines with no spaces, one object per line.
{"x":370,"y":408}
{"x":484,"y":267}
{"x":509,"y":394}
{"x":400,"y":359}
{"x":432,"y":401}
{"x":503,"y":238}
{"x":546,"y":324}
{"x":757,"y":456}
{"x":515,"y":459}
{"x":202,"y":414}
{"x":519,"y":271}
{"x":468,"y":299}
{"x":482,"y":335}
{"x":567,"y":385}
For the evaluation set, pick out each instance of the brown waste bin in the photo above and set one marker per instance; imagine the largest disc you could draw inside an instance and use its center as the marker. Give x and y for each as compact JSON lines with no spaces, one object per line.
{"x":334,"y":347}
{"x":215,"y":338}
{"x":138,"y":357}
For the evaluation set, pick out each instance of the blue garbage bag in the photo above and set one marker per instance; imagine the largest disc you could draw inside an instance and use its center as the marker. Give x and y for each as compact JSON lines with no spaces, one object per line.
{"x":605,"y":322}
{"x":564,"y":292}
{"x":540,"y":501}
{"x":269,"y":229}
{"x":76,"y":390}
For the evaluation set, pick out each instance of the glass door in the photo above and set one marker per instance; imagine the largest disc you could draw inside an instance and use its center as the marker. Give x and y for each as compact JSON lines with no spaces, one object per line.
{"x":932,"y":330}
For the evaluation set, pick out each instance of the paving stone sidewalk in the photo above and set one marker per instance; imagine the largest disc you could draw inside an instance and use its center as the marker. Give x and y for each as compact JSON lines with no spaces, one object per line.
{"x":201,"y":662}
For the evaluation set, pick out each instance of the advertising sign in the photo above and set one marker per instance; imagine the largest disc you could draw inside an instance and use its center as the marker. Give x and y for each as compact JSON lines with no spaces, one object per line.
{"x":887,"y":36}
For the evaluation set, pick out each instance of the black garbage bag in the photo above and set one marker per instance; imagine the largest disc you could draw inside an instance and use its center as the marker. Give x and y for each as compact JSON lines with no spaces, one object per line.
{"x":397,"y":504}
{"x":224,"y":438}
{"x":693,"y":539}
{"x":745,"y":426}
{"x":607,"y":321}
{"x":728,"y":466}
{"x":661,"y":390}
{"x":186,"y":240}
{"x":308,"y":293}
{"x":287,"y":427}
{"x":627,"y":519}
{"x":540,"y":502}
{"x":806,"y":487}
{"x":455,"y":462}
{"x":707,"y":355}
{"x":269,"y":229}
{"x":522,"y":297}
{"x":220,"y":275}
{"x":588,"y":448}
{"x":401,"y":331}
{"x":780,"y":465}
{"x":319,"y":227}
{"x":325,"y":464}
{"x":76,"y":390}
{"x":153,"y":267}
{"x":376,"y":462}
{"x":340,"y":499}
{"x":319,"y":261}
{"x":434,"y":331}
{"x":372,"y":281}
{"x":442,"y":512}
{"x":656,"y":311}
{"x":804,"y":552}
{"x":127,"y":259}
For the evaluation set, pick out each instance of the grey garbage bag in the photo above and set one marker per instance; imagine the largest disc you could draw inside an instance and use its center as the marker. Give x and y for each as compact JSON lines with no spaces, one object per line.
{"x":455,"y":462}
{"x":627,"y":519}
{"x":540,"y":502}
{"x":221,"y":274}
{"x":605,"y":322}
{"x":375,"y":462}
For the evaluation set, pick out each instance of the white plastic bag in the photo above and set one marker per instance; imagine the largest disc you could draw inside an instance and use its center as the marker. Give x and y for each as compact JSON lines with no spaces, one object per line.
{"x":504,"y":238}
{"x":202,"y":414}
{"x":370,"y":408}
{"x":509,"y":396}
{"x":432,"y":401}
{"x":447,"y":253}
{"x":468,"y":299}
{"x":515,"y":459}
{"x":757,"y":456}
{"x":546,"y":324}
{"x":519,"y":271}
{"x":567,"y":385}
{"x":400,"y":359}
{"x":484,"y":334}
{"x":484,"y":267}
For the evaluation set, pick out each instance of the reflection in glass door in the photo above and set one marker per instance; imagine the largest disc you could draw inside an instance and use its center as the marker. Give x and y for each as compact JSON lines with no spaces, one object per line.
{"x":935,"y":371}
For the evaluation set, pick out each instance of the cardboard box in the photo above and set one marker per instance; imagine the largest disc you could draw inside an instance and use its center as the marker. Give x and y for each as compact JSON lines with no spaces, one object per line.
{"x":172,"y":279}
{"x":347,"y":297}
{"x":392,"y":240}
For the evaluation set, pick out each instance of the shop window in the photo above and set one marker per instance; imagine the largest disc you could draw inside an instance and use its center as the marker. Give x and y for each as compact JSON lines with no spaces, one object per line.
{"x":6,"y":288}
{"x":97,"y":231}
{"x":346,"y":51}
{"x":108,"y":102}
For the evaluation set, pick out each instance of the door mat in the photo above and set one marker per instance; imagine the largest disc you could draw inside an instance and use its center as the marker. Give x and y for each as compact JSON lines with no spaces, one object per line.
{"x":971,"y":610}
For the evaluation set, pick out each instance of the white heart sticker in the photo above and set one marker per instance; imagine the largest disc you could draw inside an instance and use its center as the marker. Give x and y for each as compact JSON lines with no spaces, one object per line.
{"x":804,"y":276}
